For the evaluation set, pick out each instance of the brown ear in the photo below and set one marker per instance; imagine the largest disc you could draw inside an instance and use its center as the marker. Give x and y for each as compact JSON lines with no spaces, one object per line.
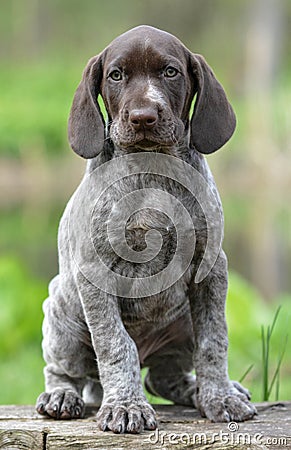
{"x":86,"y":124}
{"x":213,"y":120}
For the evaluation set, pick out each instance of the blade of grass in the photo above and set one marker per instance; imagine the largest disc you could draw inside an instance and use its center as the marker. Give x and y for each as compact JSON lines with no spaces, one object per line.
{"x":275,"y":319}
{"x":277,"y":387}
{"x":268,"y":338}
{"x":264,"y":364}
{"x":246,"y":373}
{"x":266,"y":341}
{"x":277,"y":371}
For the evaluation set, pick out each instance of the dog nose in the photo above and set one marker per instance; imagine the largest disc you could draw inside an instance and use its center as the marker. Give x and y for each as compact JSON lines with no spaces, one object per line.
{"x":143,"y":118}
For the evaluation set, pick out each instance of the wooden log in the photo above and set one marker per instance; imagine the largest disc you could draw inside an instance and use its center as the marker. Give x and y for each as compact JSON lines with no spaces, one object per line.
{"x":179,"y":428}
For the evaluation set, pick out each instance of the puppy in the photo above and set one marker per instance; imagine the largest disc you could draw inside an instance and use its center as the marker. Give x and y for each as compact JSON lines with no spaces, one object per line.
{"x":142,"y":276}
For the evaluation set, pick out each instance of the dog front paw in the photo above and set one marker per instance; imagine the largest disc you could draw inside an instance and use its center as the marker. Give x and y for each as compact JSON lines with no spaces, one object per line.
{"x":130,"y":417}
{"x":225,"y":404}
{"x":60,"y":404}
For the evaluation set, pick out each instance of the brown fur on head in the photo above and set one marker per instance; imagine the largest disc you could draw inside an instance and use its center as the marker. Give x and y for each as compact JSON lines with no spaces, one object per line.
{"x":148,"y":79}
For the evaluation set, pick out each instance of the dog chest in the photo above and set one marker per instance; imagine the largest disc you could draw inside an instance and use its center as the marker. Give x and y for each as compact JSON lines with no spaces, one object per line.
{"x":135,"y":223}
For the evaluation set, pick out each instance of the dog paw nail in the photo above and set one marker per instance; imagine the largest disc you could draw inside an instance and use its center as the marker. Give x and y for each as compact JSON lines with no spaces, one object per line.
{"x":103,"y":426}
{"x":152,"y":425}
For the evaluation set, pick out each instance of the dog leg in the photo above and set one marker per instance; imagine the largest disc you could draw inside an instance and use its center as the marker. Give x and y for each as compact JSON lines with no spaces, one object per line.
{"x":69,"y":360}
{"x":216,"y":396}
{"x":124,"y":406}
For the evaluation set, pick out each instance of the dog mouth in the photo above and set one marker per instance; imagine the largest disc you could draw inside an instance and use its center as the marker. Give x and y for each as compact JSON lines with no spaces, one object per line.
{"x":146,"y":140}
{"x":147,"y":144}
{"x":150,"y":143}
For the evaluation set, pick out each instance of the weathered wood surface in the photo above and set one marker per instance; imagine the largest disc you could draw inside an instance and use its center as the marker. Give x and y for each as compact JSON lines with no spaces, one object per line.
{"x":179,"y":428}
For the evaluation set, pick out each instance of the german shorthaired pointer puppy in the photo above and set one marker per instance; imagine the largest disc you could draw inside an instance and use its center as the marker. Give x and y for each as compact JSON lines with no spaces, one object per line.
{"x":95,"y":342}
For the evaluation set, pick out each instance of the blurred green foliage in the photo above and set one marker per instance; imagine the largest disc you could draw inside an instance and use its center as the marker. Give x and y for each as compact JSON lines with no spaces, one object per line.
{"x":20,"y":311}
{"x":34,"y":108}
{"x":21,"y":297}
{"x":30,"y":235}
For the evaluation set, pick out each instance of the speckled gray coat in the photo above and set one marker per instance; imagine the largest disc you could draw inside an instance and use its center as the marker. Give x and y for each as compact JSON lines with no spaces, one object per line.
{"x":94,"y":339}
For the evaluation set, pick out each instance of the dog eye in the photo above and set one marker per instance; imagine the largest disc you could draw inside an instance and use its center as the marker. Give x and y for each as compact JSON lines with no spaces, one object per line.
{"x":171,"y":72}
{"x":116,"y":75}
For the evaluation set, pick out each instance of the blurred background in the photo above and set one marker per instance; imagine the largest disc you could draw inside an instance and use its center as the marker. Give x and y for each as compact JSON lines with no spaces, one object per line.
{"x":44,"y":46}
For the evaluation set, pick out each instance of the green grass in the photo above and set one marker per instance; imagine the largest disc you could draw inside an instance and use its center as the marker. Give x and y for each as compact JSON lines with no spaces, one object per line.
{"x":246,"y":315}
{"x":266,"y":340}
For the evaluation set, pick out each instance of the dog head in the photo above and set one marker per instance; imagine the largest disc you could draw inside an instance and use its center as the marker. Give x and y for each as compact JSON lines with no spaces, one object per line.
{"x":148,"y":80}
